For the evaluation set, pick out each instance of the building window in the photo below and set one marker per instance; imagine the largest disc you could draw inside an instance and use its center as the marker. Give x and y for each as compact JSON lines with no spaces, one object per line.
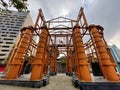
{"x":3,"y":29}
{"x":16,"y":30}
{"x":12,"y":33}
{"x":4,"y":35}
{"x":2,"y":59}
{"x":3,"y":32}
{"x":5,"y":46}
{"x":12,"y":36}
{"x":5,"y":50}
{"x":8,"y":39}
{"x":9,"y":42}
{"x":18,"y":25}
{"x":14,"y":27}
{"x":2,"y":54}
{"x":1,"y":41}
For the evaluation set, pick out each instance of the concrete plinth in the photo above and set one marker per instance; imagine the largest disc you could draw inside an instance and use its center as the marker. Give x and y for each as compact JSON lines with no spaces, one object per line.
{"x":95,"y":85}
{"x":52,"y":73}
{"x":27,"y":83}
{"x":69,"y":73}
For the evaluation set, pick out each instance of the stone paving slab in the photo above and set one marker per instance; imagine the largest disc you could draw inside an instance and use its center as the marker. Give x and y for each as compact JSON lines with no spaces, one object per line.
{"x":58,"y":82}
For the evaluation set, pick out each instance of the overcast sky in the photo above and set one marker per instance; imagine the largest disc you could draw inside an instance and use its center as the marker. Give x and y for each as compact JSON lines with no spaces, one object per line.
{"x":103,"y":12}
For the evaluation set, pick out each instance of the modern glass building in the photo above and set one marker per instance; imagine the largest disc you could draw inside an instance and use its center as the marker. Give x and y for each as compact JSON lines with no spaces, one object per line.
{"x":116,"y":55}
{"x":10,"y":25}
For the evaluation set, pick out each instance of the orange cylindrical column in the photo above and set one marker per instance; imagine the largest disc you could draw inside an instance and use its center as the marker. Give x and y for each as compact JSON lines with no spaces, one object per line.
{"x":76,"y":63}
{"x":37,"y":64}
{"x":68,"y":62}
{"x":46,"y":63}
{"x":53,"y":61}
{"x":107,"y":66}
{"x":16,"y":64}
{"x":83,"y":66}
{"x":75,"y":58}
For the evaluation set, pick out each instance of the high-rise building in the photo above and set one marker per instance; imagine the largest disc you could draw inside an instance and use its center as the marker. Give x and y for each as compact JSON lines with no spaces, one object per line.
{"x":116,"y":55}
{"x":10,"y":25}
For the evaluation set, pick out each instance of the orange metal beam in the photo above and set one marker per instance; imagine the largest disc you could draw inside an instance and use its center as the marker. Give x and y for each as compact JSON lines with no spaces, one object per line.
{"x":39,"y":17}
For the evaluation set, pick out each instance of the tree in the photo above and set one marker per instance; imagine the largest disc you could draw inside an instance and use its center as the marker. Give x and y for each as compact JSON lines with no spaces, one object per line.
{"x":63,"y":60}
{"x":20,"y":5}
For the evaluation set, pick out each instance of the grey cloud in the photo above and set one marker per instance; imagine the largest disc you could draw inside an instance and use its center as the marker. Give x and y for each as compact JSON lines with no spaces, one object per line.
{"x":103,"y":12}
{"x":54,"y":8}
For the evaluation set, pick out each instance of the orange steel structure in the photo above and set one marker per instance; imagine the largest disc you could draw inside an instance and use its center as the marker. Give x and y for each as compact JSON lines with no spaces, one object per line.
{"x":39,"y":59}
{"x":83,"y":69}
{"x":107,"y":66}
{"x":81,"y":43}
{"x":16,"y":64}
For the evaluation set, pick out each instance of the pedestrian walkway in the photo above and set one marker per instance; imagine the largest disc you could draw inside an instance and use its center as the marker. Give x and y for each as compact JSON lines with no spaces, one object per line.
{"x":60,"y":82}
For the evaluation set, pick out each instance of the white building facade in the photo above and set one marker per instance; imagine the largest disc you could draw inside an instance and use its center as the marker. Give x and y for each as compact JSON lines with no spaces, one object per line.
{"x":10,"y":25}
